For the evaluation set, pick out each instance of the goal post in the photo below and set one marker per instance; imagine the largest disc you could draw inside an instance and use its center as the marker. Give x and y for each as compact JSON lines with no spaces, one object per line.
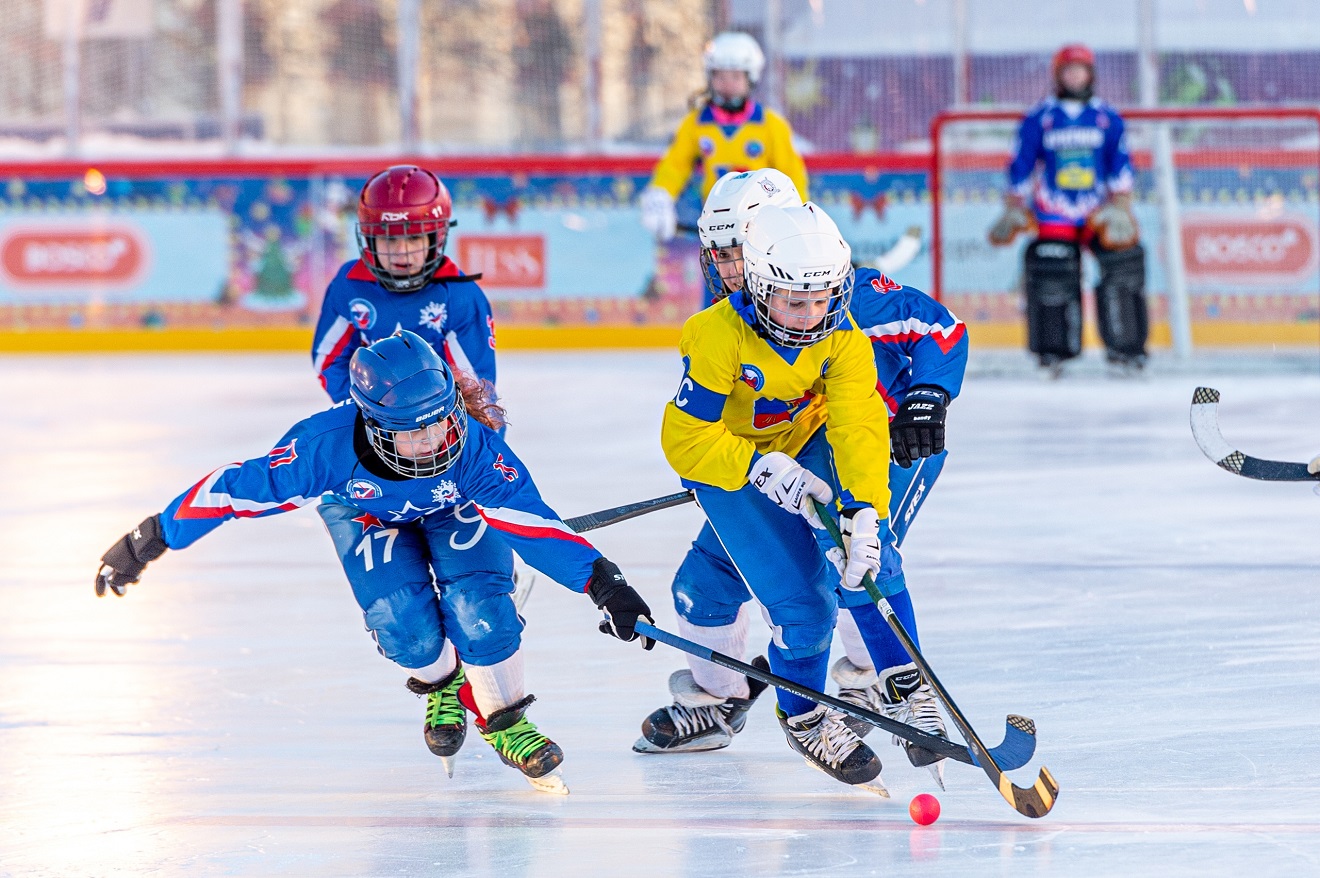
{"x":1226,"y":199}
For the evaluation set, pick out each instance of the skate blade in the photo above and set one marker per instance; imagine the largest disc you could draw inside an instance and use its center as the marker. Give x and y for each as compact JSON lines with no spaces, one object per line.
{"x":643,"y":745}
{"x":876,"y":786}
{"x":937,"y":772}
{"x":552,"y":783}
{"x":448,"y":763}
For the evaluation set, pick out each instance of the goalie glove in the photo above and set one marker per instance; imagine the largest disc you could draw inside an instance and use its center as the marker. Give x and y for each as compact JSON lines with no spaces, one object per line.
{"x":621,"y":603}
{"x":861,"y":531}
{"x":1114,"y":224}
{"x":124,"y":562}
{"x":917,"y":429}
{"x":658,"y":214}
{"x":1015,"y":219}
{"x":790,"y":486}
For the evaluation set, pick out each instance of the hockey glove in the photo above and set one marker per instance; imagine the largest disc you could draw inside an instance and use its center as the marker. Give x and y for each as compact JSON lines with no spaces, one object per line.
{"x":789,"y":485}
{"x":861,"y":530}
{"x":1015,"y":218}
{"x":658,"y":214}
{"x":126,"y":559}
{"x":1314,"y":466}
{"x":1114,"y":223}
{"x":917,"y":429}
{"x":622,"y":604}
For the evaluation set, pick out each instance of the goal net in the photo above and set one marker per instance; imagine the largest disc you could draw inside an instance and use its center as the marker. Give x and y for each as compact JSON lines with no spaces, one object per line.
{"x":1226,"y":199}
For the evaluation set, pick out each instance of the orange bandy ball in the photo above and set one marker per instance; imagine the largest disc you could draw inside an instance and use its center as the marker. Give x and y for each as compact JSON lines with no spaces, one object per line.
{"x":925,"y":809}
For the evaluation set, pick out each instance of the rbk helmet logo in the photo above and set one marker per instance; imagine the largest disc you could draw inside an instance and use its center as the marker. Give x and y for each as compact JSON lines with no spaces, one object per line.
{"x":282,"y":455}
{"x":363,"y":313}
{"x":364,"y":489}
{"x":392,"y":217}
{"x":509,"y":473}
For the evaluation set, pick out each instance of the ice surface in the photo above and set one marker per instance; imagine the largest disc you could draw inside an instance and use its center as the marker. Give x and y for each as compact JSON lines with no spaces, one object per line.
{"x":1079,"y":562}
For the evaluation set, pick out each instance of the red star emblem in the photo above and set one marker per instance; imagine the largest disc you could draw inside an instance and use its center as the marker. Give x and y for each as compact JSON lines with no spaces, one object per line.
{"x":368,"y":521}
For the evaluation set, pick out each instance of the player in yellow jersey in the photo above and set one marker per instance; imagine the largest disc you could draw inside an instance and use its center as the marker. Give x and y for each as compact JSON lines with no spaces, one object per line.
{"x":777,"y":407}
{"x":728,"y":132}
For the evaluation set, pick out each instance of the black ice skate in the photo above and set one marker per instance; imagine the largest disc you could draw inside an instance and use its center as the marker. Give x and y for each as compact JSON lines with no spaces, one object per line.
{"x":907,"y":698}
{"x":827,"y":744}
{"x":697,"y":720}
{"x":446,"y":720}
{"x":858,"y":686}
{"x":520,"y":745}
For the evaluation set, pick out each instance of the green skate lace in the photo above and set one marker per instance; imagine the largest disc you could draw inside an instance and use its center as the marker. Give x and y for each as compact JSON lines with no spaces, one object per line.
{"x":443,"y":708}
{"x":518,"y":741}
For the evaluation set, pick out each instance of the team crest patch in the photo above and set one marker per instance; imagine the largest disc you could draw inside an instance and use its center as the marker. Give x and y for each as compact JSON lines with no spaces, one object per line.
{"x":706,"y":145}
{"x":767,"y":413}
{"x":364,"y":489}
{"x":504,"y":469}
{"x":433,"y":315}
{"x":752,"y":376}
{"x":363,"y":313}
{"x":754,"y":148}
{"x":883,"y":284}
{"x":445,"y":492}
{"x":282,"y":455}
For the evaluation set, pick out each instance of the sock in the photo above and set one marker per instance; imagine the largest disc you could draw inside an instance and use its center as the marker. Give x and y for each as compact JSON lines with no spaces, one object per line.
{"x":440,"y":668}
{"x":495,"y":687}
{"x":728,"y":639}
{"x":854,"y":647}
{"x":884,"y":646}
{"x":810,"y":672}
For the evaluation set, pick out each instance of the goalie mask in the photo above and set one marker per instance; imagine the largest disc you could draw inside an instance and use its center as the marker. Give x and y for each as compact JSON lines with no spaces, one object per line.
{"x":798,"y":274}
{"x":404,"y":216}
{"x":733,"y":201}
{"x":415,"y":417}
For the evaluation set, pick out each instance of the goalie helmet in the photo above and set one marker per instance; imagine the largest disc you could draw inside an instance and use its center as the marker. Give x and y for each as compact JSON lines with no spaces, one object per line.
{"x":414,"y":412}
{"x":1074,"y":53}
{"x":732,"y":50}
{"x":798,"y":274}
{"x":404,"y":215}
{"x":730,"y":206}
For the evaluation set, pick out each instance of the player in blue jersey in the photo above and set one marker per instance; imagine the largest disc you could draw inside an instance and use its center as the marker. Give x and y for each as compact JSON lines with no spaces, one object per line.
{"x":920,"y":353}
{"x":1070,"y":182}
{"x":403,"y":280}
{"x":417,"y":441}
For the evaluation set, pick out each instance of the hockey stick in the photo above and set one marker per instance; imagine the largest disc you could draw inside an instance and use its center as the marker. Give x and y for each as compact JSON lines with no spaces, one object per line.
{"x":1019,"y":741}
{"x":604,"y":517}
{"x":1034,"y":801}
{"x":1205,"y":430}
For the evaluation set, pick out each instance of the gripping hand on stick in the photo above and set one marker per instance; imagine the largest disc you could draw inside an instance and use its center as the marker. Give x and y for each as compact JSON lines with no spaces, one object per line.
{"x":622,"y":605}
{"x":124,"y":562}
{"x":861,"y":531}
{"x":789,"y":485}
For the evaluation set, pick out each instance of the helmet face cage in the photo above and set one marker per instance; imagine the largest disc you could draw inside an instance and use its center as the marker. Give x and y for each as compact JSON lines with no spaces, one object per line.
{"x":769,"y":295}
{"x":716,"y":284}
{"x":427,"y":238}
{"x":444,"y":437}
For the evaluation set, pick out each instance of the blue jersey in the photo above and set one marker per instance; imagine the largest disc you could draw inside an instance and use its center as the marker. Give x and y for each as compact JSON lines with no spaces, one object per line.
{"x":329,"y":454}
{"x":451,"y":313}
{"x":916,"y":340}
{"x":1067,"y":165}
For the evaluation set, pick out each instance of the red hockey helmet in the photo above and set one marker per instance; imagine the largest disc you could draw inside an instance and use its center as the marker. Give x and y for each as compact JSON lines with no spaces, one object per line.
{"x":404,"y":216}
{"x":1075,"y":53}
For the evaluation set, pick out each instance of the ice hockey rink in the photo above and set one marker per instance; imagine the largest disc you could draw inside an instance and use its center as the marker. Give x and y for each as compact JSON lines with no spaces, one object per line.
{"x":1079,"y":562}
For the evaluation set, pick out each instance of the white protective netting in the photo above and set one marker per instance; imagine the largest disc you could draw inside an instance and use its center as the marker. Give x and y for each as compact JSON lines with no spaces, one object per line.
{"x":1226,"y":200}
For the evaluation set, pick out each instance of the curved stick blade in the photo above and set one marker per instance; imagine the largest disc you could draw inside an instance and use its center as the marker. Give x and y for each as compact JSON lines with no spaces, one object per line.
{"x":1019,"y":743}
{"x":1034,"y":801}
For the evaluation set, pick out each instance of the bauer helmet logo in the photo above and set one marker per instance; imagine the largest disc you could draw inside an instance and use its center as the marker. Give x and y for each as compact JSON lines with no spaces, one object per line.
{"x":389,"y":216}
{"x":430,"y":414}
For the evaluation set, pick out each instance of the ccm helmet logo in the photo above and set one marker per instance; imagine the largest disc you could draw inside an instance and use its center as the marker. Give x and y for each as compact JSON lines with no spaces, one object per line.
{"x":816,"y":273}
{"x":720,"y":228}
{"x":430,"y":414}
{"x":390,"y":217}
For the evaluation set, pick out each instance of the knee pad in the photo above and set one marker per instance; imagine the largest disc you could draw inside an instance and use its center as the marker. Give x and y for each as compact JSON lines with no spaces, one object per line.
{"x":480,"y":618}
{"x":1120,"y":300}
{"x":1052,"y":272}
{"x":798,"y":632}
{"x":406,"y":626}
{"x":708,"y":591}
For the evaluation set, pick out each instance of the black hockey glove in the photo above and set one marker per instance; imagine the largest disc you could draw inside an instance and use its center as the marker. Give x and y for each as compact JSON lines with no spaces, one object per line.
{"x":623,"y":606}
{"x":126,"y":559}
{"x":917,"y":429}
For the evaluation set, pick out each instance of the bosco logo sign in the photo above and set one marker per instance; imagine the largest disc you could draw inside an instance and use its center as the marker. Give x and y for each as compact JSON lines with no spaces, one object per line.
{"x":107,"y":256}
{"x":504,"y":260}
{"x":1248,"y":249}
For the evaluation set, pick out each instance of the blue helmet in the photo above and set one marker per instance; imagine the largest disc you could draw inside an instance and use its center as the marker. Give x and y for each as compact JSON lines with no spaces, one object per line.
{"x":414,"y":411}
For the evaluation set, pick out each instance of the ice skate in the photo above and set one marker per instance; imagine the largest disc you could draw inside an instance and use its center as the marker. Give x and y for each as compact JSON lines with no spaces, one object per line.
{"x":828,"y":745}
{"x":907,"y":698}
{"x":519,"y":745}
{"x":1051,"y":367}
{"x":859,"y":687}
{"x":446,"y":719}
{"x":696,"y":720}
{"x":1125,"y":367}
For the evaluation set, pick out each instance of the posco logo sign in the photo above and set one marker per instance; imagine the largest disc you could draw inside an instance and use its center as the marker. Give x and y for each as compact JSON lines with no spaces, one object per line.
{"x":113,"y":255}
{"x":1260,"y":248}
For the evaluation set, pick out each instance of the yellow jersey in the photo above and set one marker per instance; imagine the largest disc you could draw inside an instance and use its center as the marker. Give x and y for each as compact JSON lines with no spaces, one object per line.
{"x":761,"y":140}
{"x":741,"y":396}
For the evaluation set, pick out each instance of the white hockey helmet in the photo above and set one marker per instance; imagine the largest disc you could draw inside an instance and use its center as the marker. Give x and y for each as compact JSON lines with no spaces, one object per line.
{"x":797,"y":270}
{"x":733,"y":50}
{"x":730,"y":206}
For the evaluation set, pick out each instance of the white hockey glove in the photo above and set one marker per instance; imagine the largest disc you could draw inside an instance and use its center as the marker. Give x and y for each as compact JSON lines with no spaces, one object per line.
{"x":861,"y":529}
{"x":658,"y":215}
{"x":790,"y":486}
{"x":1314,"y":466}
{"x":1114,"y":223}
{"x":1014,"y":220}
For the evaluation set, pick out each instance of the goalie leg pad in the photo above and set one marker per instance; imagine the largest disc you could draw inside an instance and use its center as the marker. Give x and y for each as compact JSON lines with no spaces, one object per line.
{"x":1120,"y":301}
{"x":1052,"y":272}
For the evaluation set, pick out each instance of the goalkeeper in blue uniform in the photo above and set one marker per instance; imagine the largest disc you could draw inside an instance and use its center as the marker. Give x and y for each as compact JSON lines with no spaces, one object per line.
{"x":1070,"y":183}
{"x":417,"y":443}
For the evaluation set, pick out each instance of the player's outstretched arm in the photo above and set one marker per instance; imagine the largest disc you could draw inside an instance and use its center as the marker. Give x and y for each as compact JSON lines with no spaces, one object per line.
{"x":123,"y":563}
